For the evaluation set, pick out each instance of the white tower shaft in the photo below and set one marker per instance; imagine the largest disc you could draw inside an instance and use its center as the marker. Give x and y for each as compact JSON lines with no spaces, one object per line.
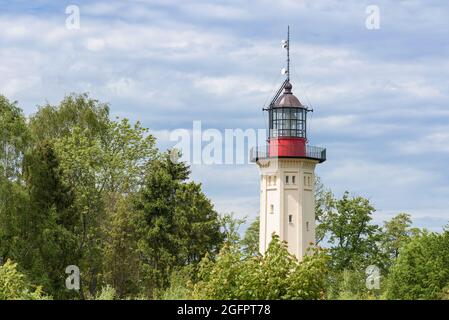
{"x":287,"y":203}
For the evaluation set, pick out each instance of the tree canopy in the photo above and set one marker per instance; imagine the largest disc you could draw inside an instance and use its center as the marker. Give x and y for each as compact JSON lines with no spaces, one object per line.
{"x":80,"y":188}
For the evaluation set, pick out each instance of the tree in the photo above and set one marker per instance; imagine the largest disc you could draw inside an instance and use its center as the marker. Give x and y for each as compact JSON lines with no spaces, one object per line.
{"x":421,"y":269}
{"x":324,"y":204}
{"x":354,"y":245}
{"x":14,"y":200}
{"x":395,"y":234}
{"x":230,"y":228}
{"x":14,"y":139}
{"x":250,"y":241}
{"x":74,"y":111}
{"x":121,"y":256}
{"x":353,"y":237}
{"x":197,"y":222}
{"x":101,"y":160}
{"x":50,"y":222}
{"x":176,"y":222}
{"x":13,"y":217}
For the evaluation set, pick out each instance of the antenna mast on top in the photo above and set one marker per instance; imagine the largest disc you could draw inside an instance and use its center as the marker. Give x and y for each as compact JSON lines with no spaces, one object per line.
{"x":284,"y":71}
{"x":286,"y":45}
{"x":288,"y":53}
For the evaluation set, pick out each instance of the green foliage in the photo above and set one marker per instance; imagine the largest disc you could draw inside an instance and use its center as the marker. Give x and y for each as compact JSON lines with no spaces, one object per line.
{"x":176,"y":223}
{"x":121,"y":257}
{"x":277,"y":275}
{"x":324,"y":204}
{"x":355,"y":242}
{"x":53,"y":122}
{"x":15,"y":286}
{"x":218,"y":279}
{"x":230,"y":226}
{"x":350,"y":285}
{"x":14,"y":139}
{"x":106,"y":293}
{"x":100,"y":160}
{"x":60,"y":188}
{"x":250,"y":241}
{"x":421,"y":270}
{"x":180,"y":284}
{"x":396,"y":234}
{"x":352,"y":235}
{"x":48,"y":228}
{"x":444,"y":295}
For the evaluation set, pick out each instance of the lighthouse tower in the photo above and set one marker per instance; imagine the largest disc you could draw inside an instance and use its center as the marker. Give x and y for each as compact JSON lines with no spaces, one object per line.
{"x":287,"y":164}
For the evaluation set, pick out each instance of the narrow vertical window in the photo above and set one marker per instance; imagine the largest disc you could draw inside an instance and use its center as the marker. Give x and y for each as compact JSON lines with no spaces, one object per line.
{"x":307,"y":226}
{"x":290,"y":218}
{"x":286,"y":179}
{"x":293,"y":179}
{"x":271,"y":208}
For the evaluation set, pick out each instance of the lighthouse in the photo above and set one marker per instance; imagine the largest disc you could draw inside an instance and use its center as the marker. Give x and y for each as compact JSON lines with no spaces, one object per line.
{"x":287,"y":171}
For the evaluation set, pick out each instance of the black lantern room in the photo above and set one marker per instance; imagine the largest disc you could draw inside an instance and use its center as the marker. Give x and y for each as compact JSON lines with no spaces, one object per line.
{"x":287,"y":116}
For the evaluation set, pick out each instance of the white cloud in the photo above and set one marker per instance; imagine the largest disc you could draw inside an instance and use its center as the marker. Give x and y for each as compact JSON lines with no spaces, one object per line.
{"x":336,"y":122}
{"x":215,"y":11}
{"x":375,"y":177}
{"x":242,"y":207}
{"x":229,"y":85}
{"x":95,"y":44}
{"x":435,"y":142}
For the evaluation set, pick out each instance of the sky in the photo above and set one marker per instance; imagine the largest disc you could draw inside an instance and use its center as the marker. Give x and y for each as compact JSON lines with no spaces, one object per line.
{"x":380,"y":96}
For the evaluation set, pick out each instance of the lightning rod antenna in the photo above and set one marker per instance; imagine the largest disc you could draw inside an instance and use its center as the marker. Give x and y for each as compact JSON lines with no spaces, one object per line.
{"x":288,"y":53}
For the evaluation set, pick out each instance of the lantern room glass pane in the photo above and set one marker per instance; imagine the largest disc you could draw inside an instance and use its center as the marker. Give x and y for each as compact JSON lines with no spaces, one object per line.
{"x":288,"y":122}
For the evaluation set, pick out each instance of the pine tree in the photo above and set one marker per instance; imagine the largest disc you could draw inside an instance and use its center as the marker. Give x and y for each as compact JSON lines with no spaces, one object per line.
{"x":176,"y":222}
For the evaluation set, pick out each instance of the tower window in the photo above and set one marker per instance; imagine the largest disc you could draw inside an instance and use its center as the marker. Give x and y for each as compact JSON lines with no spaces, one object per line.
{"x":290,"y":218}
{"x":271,"y":208}
{"x":269,"y":180}
{"x":286,"y":179}
{"x":307,"y":226}
{"x":307,"y":180}
{"x":293,"y":179}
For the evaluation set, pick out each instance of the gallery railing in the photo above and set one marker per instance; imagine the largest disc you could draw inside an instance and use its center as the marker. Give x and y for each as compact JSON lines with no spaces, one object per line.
{"x":311,"y":152}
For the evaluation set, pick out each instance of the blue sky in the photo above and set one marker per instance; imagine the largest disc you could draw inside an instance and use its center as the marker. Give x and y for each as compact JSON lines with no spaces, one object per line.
{"x":380,"y":97}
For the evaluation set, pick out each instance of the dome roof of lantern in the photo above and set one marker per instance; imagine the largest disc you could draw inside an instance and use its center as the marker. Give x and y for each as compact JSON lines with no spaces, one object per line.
{"x":288,"y":99}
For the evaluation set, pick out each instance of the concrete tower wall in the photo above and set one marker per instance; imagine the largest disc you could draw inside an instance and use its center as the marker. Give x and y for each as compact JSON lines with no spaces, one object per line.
{"x":287,"y":203}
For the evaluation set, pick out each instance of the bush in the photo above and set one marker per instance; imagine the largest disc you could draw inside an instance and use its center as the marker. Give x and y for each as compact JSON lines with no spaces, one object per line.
{"x":106,"y":293}
{"x":350,"y":284}
{"x":277,"y":275}
{"x":444,"y":295}
{"x":14,"y":285}
{"x":180,"y":285}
